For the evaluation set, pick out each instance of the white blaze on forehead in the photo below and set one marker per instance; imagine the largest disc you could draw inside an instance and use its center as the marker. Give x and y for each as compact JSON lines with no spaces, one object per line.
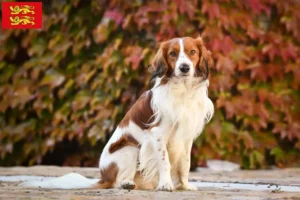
{"x":181,"y":45}
{"x":183,"y":58}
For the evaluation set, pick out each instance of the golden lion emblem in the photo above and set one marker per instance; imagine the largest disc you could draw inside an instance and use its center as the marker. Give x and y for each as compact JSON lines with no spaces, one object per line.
{"x":15,"y":10}
{"x":22,"y":20}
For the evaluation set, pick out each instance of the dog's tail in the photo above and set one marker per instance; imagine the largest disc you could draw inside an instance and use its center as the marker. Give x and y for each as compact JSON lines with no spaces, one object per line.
{"x":68,"y":181}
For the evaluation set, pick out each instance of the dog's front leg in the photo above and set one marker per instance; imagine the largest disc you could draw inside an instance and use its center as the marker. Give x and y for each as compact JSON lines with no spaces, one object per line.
{"x":184,"y":167}
{"x":163,"y":163}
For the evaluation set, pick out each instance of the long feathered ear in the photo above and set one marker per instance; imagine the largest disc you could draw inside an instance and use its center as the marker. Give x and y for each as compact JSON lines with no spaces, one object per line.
{"x":159,"y":64}
{"x":205,"y":61}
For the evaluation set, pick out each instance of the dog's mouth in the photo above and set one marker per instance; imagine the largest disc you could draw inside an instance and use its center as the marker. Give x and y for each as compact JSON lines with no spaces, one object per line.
{"x":182,"y":76}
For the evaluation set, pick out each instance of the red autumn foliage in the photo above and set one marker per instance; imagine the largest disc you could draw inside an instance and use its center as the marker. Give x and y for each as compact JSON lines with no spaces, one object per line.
{"x":66,"y":87}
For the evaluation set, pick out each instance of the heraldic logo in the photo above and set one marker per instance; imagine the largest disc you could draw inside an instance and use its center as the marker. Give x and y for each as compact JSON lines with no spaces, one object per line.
{"x":21,"y":15}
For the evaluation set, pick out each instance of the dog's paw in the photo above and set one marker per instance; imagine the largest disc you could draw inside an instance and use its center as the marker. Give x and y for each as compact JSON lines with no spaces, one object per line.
{"x":128,"y":185}
{"x":168,"y":186}
{"x":187,"y":187}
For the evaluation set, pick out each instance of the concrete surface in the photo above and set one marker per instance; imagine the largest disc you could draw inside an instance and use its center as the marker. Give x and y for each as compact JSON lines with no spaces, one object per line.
{"x":273,"y":178}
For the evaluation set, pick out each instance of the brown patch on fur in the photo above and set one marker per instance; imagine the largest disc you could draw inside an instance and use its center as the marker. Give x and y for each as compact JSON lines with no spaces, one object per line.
{"x":108,"y":176}
{"x":140,"y":113}
{"x":164,"y":81}
{"x":125,"y":140}
{"x":205,"y":61}
{"x":163,"y":63}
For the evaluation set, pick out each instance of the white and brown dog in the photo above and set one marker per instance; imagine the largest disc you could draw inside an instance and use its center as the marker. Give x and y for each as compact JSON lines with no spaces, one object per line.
{"x":151,"y":147}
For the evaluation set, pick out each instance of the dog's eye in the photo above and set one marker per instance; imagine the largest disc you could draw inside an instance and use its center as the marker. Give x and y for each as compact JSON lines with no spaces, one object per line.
{"x":173,"y":54}
{"x":192,"y":52}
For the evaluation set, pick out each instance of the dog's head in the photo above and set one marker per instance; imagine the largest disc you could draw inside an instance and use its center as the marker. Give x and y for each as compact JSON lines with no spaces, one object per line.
{"x":182,"y":58}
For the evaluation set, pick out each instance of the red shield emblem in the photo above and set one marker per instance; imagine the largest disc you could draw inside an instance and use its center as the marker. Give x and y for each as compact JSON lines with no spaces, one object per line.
{"x":21,"y":15}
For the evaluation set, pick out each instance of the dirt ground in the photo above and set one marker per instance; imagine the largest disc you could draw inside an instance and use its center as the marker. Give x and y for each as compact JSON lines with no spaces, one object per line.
{"x":286,"y":177}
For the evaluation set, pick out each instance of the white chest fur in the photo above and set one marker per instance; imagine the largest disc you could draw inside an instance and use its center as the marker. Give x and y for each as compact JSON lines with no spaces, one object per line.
{"x":184,"y":105}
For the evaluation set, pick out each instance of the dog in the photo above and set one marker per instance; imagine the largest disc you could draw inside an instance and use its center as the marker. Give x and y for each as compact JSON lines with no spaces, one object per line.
{"x":151,"y":146}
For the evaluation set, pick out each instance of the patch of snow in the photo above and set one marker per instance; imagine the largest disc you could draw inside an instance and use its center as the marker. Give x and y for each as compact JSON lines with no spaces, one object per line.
{"x":221,"y":165}
{"x":68,"y":181}
{"x":24,"y":178}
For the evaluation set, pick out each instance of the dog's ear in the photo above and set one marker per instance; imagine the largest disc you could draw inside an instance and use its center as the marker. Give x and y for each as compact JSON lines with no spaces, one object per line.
{"x":205,"y":60}
{"x":159,"y":64}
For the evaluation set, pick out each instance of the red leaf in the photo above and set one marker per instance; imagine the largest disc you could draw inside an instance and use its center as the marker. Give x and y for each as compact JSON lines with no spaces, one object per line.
{"x":257,"y":6}
{"x":225,"y":64}
{"x":185,"y":7}
{"x":212,"y":10}
{"x":290,"y":52}
{"x":114,"y":15}
{"x":134,"y":56}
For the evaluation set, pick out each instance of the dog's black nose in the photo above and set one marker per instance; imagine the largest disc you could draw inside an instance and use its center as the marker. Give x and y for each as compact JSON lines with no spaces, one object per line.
{"x":184,"y":68}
